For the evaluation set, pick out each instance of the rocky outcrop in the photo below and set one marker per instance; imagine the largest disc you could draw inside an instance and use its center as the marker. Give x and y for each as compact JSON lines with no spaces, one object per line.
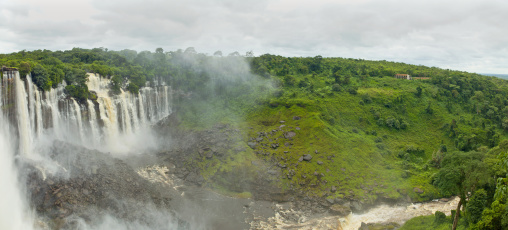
{"x":89,"y":181}
{"x":339,"y":210}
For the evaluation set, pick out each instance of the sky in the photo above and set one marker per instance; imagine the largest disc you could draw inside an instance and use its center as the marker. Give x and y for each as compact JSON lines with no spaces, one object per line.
{"x":453,"y":34}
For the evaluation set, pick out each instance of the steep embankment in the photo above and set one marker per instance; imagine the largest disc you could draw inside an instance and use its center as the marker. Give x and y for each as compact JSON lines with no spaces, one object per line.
{"x":373,"y":139}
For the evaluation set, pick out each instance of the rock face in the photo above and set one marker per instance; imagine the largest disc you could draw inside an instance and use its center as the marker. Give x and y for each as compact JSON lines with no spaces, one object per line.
{"x":339,"y":210}
{"x":94,"y":181}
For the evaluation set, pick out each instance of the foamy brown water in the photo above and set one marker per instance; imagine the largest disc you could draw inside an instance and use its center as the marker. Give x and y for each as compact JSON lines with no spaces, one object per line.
{"x":380,"y":214}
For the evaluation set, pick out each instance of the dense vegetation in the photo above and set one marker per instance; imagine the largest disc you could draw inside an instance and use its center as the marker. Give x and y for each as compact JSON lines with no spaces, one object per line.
{"x":371,"y":136}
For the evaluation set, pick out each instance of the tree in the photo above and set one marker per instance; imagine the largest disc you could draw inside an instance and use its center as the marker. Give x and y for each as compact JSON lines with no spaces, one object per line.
{"x":218,"y":53}
{"x":24,"y":69}
{"x":476,"y":205}
{"x":159,"y":50}
{"x":234,"y":54}
{"x":190,"y":50}
{"x":461,"y":174}
{"x":418,"y":91}
{"x":40,"y":77}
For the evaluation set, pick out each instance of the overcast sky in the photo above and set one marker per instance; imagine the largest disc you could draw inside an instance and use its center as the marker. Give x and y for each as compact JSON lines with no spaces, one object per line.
{"x":457,"y":34}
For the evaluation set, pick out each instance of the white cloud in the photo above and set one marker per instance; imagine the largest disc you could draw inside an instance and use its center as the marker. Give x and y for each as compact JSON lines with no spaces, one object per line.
{"x":467,"y":35}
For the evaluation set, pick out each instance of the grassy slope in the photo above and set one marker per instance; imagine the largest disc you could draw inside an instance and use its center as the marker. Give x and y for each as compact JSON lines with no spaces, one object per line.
{"x":427,"y":222}
{"x":360,"y":164}
{"x":340,"y":125}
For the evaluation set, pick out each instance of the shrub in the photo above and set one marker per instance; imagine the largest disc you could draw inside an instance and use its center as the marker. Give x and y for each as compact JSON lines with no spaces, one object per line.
{"x":133,"y":88}
{"x":366,"y":98}
{"x":439,"y":218}
{"x":336,"y":88}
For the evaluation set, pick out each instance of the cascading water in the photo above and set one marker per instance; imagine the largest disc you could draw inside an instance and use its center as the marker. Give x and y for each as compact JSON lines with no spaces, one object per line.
{"x":116,"y":124}
{"x":23,"y":115}
{"x":31,"y":120}
{"x":13,"y":211}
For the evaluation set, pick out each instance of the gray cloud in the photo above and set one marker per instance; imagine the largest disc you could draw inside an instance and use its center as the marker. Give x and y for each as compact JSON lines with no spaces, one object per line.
{"x":467,"y":35}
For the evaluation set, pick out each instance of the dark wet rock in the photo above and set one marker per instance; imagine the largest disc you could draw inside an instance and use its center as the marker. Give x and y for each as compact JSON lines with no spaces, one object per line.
{"x":90,"y":183}
{"x":307,"y":157}
{"x":195,"y":178}
{"x":356,"y":206}
{"x":339,"y":210}
{"x":296,"y":118}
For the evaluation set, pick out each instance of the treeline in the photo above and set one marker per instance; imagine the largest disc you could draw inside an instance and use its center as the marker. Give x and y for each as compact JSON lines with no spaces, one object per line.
{"x":190,"y":71}
{"x":128,"y":69}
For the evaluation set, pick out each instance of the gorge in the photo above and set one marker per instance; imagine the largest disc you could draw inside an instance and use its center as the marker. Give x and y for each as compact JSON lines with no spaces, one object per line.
{"x":209,"y":142}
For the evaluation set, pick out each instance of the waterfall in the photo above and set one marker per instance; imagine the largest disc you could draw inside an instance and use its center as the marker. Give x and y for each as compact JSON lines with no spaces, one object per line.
{"x":79,"y":120}
{"x":13,"y":211}
{"x":38,"y":111}
{"x":23,"y":117}
{"x":92,"y":118}
{"x":111,"y":123}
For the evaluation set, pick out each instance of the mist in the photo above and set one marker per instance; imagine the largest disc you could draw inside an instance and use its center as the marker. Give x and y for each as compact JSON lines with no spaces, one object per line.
{"x":90,"y":164}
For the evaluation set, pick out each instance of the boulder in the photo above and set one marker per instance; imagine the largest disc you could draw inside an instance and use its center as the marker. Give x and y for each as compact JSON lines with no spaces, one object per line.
{"x":357,"y":206}
{"x":417,"y":190}
{"x":307,"y":157}
{"x":289,"y":134}
{"x":339,"y":210}
{"x":319,"y":162}
{"x":252,"y":145}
